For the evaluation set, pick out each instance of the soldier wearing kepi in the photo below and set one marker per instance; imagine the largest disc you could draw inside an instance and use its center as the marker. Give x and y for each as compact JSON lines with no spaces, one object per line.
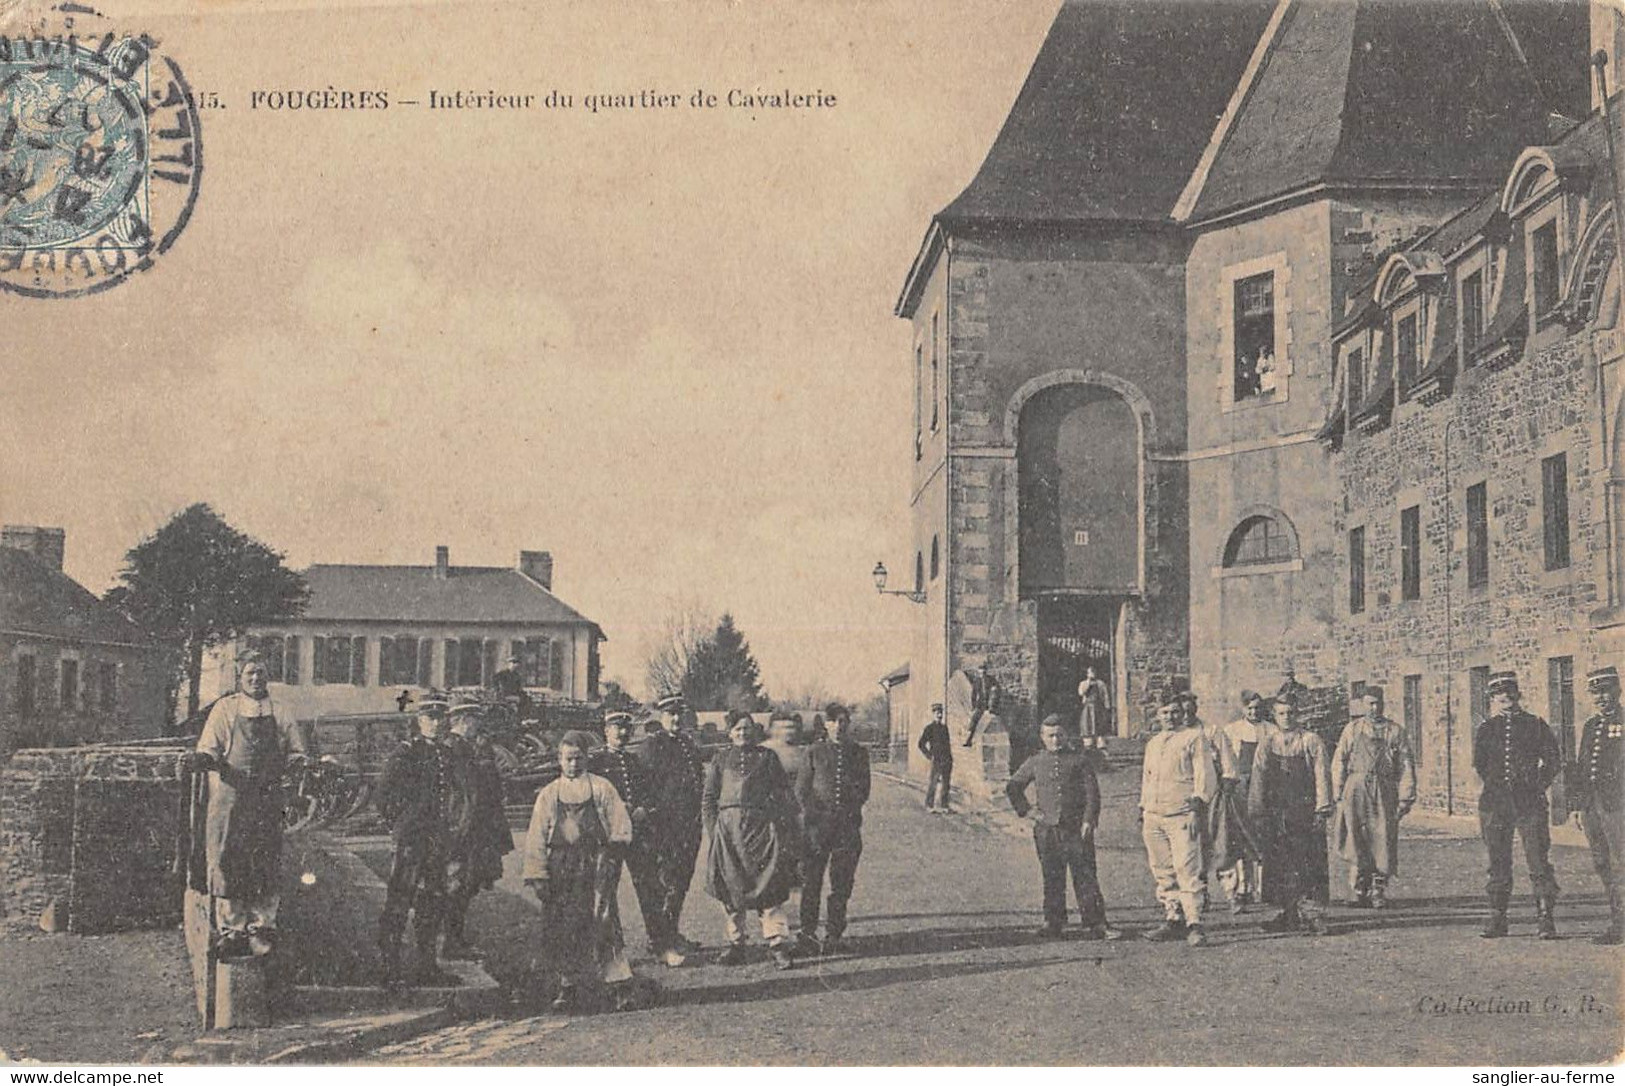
{"x":1597,"y":791}
{"x":476,"y":861}
{"x":831,"y":787}
{"x":1517,"y":757}
{"x":676,"y":772}
{"x":616,"y":763}
{"x":424,"y":794}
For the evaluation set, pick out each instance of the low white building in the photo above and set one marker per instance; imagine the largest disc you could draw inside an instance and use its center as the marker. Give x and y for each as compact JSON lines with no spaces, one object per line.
{"x":371,"y":632}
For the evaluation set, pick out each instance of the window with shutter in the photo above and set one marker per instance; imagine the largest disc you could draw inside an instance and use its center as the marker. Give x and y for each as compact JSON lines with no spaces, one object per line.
{"x":388,"y":664}
{"x":318,"y":660}
{"x":358,"y":661}
{"x":470,"y":659}
{"x":1356,"y":570}
{"x":488,"y":668}
{"x":1410,"y":553}
{"x":1478,"y":536}
{"x":555,"y":665}
{"x":290,"y":661}
{"x":1554,"y":480}
{"x":448,"y":666}
{"x":425,"y":662}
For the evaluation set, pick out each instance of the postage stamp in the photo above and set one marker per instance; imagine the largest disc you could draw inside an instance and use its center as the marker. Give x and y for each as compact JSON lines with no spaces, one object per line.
{"x":101,"y":156}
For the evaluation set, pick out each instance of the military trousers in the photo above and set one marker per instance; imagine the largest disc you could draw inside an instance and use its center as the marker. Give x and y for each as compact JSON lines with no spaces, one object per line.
{"x":1498,"y":819}
{"x":416,"y":886}
{"x":1063,"y":850}
{"x":838,"y":854}
{"x":677,"y":850}
{"x":936,"y":785}
{"x":1605,"y":835}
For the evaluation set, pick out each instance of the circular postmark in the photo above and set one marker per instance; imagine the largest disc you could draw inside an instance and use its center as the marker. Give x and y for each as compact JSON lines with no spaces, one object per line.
{"x":100,"y":161}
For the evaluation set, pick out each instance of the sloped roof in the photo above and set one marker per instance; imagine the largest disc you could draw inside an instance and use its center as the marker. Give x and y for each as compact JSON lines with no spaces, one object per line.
{"x":37,"y":599}
{"x":415,"y":594}
{"x":1389,"y":91}
{"x":1115,"y":112}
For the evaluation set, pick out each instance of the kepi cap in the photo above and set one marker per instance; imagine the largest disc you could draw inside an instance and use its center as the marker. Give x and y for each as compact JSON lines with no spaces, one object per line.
{"x":1503,"y":680}
{"x":1602,"y":678}
{"x":617,"y":719}
{"x":672,"y":703}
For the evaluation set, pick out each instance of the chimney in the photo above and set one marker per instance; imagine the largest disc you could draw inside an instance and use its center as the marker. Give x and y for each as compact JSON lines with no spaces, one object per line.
{"x":538,"y":566}
{"x":45,"y":544}
{"x":442,"y":562}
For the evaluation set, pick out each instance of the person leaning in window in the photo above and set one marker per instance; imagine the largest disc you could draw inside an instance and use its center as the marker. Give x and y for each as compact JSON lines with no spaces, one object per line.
{"x":1517,"y":757}
{"x":936,"y":745}
{"x":245,"y":749}
{"x":750,"y":815}
{"x":1597,"y":793}
{"x":833,"y":786}
{"x":1065,"y":814}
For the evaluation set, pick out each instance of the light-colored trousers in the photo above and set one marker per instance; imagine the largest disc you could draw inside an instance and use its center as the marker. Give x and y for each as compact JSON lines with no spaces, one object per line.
{"x":1173,"y":843}
{"x":1246,"y":877}
{"x":775,"y":925}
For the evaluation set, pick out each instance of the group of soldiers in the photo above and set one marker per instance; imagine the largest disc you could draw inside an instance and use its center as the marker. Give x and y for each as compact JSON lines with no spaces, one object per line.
{"x":1248,"y":804}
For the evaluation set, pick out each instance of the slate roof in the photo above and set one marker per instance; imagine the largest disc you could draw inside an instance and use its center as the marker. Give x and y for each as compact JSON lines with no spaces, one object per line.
{"x":37,"y":599}
{"x":1115,"y":112}
{"x":1414,"y":93}
{"x":414,"y":594}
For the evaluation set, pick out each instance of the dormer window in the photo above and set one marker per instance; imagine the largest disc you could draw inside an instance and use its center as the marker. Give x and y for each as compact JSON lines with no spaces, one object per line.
{"x":1254,"y":373}
{"x":1472,"y":312}
{"x":1544,"y":270}
{"x":1406,"y":356}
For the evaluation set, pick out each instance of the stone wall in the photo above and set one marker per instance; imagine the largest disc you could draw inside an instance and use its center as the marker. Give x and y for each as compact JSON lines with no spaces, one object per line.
{"x":92,"y":830}
{"x":1494,"y":429}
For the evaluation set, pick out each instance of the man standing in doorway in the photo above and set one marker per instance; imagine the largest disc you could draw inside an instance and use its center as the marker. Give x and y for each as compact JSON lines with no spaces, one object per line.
{"x":1517,"y":757}
{"x":936,"y":745}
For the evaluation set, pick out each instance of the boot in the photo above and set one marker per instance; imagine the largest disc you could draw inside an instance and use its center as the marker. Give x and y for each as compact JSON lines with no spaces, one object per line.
{"x":1171,"y":930}
{"x":1545,"y":923}
{"x":1379,"y":892}
{"x":426,"y":971}
{"x":455,"y":945}
{"x":1614,"y":933}
{"x":1497,"y":927}
{"x":1286,"y":920}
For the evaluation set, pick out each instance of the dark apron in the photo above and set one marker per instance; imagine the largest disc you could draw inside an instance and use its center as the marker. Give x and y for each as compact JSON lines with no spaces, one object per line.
{"x":243,"y":835}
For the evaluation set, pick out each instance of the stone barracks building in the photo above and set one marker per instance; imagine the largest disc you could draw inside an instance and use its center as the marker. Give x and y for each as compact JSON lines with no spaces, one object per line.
{"x":72,"y":669}
{"x":1278,"y":335}
{"x":369,"y":632}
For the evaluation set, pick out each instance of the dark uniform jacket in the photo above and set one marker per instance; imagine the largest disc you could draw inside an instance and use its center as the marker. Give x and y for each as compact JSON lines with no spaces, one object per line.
{"x":1517,"y":757}
{"x":626,"y":772}
{"x":676,"y":775}
{"x":1068,"y":793}
{"x":1595,"y":779}
{"x":488,"y":833}
{"x":935,"y":742}
{"x":833,"y":786}
{"x":426,"y":794}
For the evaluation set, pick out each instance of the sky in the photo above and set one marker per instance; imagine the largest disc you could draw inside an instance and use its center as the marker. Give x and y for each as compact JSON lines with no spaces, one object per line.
{"x":659,"y":344}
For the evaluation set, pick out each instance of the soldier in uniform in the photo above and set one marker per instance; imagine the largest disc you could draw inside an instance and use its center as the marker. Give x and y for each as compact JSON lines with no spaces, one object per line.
{"x":1517,"y":757}
{"x":424,"y":794}
{"x":476,"y":861}
{"x":616,"y":763}
{"x":676,"y":772}
{"x":1064,"y":820}
{"x":936,"y":745}
{"x":832,"y":786}
{"x":1597,"y":791}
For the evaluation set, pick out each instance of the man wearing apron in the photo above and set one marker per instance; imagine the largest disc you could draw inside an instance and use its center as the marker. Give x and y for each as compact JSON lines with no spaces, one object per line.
{"x":579,"y":831}
{"x":245,"y":749}
{"x":1289,"y":802}
{"x":1374,"y":786}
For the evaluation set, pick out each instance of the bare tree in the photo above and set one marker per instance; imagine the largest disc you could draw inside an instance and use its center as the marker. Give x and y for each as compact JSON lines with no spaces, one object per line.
{"x":688,"y":625}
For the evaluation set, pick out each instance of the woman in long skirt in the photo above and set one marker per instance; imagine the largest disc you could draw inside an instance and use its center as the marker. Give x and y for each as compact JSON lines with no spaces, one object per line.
{"x":1094,"y":718}
{"x":751,"y":819}
{"x":579,"y":830}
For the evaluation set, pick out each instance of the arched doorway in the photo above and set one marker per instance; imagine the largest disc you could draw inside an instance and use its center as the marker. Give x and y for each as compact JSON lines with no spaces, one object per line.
{"x":1079,"y":466}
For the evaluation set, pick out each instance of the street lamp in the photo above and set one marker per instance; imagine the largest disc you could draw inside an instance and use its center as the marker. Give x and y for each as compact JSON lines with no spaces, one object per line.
{"x":879,"y":575}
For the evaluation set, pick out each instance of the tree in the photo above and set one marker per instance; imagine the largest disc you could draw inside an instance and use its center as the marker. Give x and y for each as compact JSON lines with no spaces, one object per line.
{"x":687,"y":626}
{"x":722,"y":673}
{"x":617,"y":700}
{"x":198,"y":582}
